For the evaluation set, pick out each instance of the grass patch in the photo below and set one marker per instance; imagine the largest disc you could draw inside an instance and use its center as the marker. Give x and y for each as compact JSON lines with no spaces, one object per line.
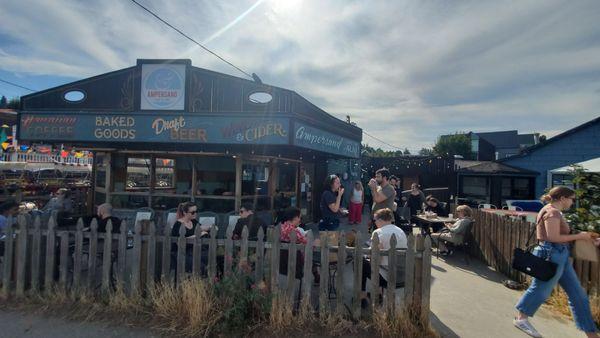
{"x":233,"y":306}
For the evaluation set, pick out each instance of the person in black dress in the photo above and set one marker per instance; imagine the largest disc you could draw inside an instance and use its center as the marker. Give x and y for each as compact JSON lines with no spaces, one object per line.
{"x":187,"y":218}
{"x":433,"y":205}
{"x":330,"y":204}
{"x":416,"y":198}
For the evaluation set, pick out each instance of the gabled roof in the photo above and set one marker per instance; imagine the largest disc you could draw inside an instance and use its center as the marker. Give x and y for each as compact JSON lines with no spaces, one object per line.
{"x":551,"y":140}
{"x":495,"y":168}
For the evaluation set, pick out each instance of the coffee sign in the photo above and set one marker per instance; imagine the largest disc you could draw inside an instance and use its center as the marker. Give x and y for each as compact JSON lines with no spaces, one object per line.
{"x":163,"y":87}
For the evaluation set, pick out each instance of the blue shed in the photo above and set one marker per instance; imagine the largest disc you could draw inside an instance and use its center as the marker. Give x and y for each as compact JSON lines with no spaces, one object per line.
{"x":579,"y":144}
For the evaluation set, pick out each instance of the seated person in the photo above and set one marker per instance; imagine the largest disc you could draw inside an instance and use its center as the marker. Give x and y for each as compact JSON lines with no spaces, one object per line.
{"x":186,"y":217}
{"x":385,"y":229}
{"x":7,"y":209}
{"x":453,"y":233}
{"x":433,"y":205}
{"x":290,"y":222}
{"x":60,"y":203}
{"x":104,"y":215}
{"x":250,"y":220}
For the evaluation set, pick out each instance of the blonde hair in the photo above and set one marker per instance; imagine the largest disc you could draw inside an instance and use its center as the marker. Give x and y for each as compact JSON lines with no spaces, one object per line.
{"x":557,"y":193}
{"x":360,"y":186}
{"x":385,"y":214}
{"x":468,"y":212}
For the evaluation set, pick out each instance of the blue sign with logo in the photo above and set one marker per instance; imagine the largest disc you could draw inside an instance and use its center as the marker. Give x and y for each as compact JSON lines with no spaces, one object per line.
{"x":163,"y":87}
{"x":152,"y":127}
{"x":317,"y":139}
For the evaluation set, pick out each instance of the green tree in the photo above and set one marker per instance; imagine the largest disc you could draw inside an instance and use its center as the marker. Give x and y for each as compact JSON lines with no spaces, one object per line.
{"x":586,"y":213}
{"x":3,"y":102}
{"x":14,"y":103}
{"x":450,"y":145}
{"x":426,"y":152}
{"x":406,"y":151}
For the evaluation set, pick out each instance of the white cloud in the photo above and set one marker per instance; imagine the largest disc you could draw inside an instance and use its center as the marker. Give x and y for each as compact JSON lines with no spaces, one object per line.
{"x":406,"y":71}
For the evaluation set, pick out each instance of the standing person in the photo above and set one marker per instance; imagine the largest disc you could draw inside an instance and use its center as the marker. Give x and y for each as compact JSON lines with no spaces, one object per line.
{"x":395,"y":182}
{"x":356,"y":203}
{"x":330,"y":204}
{"x":416,"y":198}
{"x":553,"y":235}
{"x":382,"y":191}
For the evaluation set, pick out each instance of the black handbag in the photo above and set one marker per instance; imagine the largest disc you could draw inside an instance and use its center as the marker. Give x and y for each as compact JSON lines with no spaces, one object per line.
{"x":532,"y":265}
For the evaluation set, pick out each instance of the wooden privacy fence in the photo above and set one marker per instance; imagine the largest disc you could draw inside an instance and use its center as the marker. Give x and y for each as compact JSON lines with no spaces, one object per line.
{"x":495,"y":237}
{"x":37,"y":258}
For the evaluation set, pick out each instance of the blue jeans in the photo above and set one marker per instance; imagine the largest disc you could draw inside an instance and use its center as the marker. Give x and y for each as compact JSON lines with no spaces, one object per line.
{"x":539,"y":291}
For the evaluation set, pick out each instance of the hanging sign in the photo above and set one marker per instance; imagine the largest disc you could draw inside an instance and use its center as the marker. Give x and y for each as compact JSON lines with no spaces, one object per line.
{"x":163,"y":87}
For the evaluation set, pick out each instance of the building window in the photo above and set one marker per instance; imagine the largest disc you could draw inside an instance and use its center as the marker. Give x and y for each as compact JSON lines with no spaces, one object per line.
{"x":164,"y":175}
{"x":562,"y":179}
{"x":475,"y":187}
{"x":138,"y":174}
{"x":215,"y":176}
{"x":255,"y":178}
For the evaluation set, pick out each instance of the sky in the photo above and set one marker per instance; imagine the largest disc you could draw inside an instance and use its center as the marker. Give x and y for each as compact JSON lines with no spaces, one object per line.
{"x":405,"y":71}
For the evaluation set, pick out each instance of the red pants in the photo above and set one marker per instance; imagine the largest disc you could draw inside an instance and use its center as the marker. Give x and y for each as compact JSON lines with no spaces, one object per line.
{"x":355,"y":213}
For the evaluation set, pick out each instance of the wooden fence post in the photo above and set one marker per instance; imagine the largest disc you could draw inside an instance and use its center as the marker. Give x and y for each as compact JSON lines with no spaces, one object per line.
{"x":291,"y":271}
{"x":375,"y":262}
{"x":358,"y":272}
{"x":212,"y":254}
{"x":426,"y":272}
{"x":197,"y":252}
{"x":77,"y":255}
{"x":151,"y":257}
{"x":181,"y":254}
{"x":92,"y":255}
{"x":418,"y":287}
{"x":308,"y":260}
{"x":244,"y":246}
{"x":324,"y":284}
{"x":260,"y":259}
{"x":409,"y":272}
{"x":137,"y":260}
{"x":7,"y":272}
{"x":64,"y":259}
{"x":228,"y":256}
{"x":107,"y":258}
{"x":35,"y":255}
{"x":275,"y":252}
{"x":339,"y":281}
{"x":392,"y":267}
{"x":122,"y":256}
{"x":166,"y":254}
{"x":50,"y":261}
{"x":21,"y":255}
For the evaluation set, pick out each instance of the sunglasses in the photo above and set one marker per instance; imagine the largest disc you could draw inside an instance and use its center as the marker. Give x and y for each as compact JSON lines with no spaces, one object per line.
{"x":192,"y":212}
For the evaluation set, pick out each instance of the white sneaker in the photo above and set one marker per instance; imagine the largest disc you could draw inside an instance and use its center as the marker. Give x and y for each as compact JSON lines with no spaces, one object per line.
{"x":525,"y":326}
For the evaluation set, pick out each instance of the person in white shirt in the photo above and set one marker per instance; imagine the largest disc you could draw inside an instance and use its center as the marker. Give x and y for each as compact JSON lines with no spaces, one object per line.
{"x":385,"y":230}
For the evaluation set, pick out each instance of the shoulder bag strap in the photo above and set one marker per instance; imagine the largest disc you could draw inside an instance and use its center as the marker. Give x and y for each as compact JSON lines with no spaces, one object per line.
{"x":534,"y":230}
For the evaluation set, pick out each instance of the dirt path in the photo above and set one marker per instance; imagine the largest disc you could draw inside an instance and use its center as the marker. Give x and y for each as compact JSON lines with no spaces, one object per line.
{"x":17,"y":324}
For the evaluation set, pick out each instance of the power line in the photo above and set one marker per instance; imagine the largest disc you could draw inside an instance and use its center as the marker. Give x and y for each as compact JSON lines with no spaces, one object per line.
{"x":191,"y":39}
{"x":16,"y":85}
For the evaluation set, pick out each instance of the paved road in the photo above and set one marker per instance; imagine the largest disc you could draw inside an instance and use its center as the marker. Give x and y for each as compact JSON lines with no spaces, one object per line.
{"x":470,"y":301}
{"x":16,"y":324}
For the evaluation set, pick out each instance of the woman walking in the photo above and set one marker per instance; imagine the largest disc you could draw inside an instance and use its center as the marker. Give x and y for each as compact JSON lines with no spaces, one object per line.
{"x":553,"y":235}
{"x":356,"y":204}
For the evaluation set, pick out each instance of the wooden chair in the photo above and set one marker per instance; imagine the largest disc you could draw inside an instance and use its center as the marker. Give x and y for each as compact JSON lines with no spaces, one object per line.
{"x":460,"y":245}
{"x":207,"y":219}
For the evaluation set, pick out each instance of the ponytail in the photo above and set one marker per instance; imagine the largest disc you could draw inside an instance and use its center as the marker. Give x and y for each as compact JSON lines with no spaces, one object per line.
{"x":556,"y":193}
{"x":182,"y":208}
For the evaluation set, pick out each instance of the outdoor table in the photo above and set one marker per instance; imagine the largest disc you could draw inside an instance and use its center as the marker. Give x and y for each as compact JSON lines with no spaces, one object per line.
{"x":430,"y":221}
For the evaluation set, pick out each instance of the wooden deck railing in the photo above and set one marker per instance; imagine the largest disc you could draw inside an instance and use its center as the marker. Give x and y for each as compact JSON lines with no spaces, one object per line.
{"x":495,"y":237}
{"x":38,"y":256}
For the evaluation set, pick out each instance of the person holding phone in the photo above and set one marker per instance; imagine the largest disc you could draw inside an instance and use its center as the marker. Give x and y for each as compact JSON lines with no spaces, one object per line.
{"x":330,"y":204}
